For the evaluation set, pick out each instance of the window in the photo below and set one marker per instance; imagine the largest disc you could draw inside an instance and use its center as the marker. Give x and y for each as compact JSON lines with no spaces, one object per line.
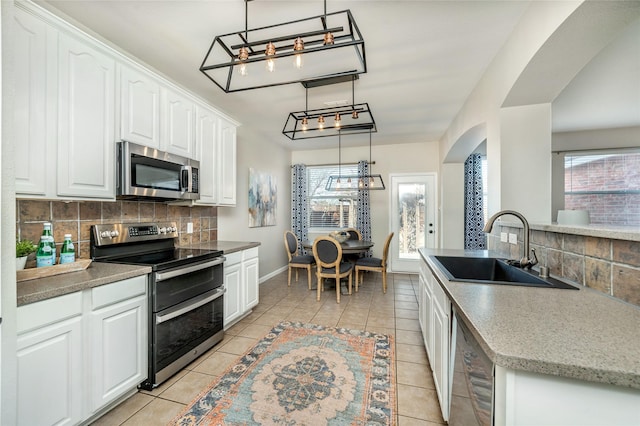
{"x":605,"y":184}
{"x":330,"y":209}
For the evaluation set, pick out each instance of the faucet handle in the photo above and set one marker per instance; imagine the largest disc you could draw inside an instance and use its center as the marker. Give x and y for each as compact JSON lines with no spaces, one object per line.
{"x":533,"y":260}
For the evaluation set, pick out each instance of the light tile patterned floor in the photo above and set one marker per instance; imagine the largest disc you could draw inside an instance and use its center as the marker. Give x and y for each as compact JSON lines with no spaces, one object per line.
{"x":395,"y":312}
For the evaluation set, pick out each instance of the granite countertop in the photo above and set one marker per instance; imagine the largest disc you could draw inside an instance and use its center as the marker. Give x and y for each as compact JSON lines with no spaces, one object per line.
{"x":581,"y":334}
{"x":102,"y":273}
{"x":227,"y":247}
{"x":96,"y":274}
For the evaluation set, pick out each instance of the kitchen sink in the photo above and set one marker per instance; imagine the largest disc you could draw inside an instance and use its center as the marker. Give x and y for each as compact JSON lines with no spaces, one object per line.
{"x":490,"y":270}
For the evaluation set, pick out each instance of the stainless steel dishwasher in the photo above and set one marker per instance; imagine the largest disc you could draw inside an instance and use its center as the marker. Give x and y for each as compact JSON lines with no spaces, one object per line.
{"x":472,"y":381}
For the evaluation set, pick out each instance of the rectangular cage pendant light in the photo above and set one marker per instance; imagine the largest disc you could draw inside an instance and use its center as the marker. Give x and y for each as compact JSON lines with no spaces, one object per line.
{"x":323,"y":46}
{"x":323,"y":122}
{"x":365,"y":182}
{"x":355,"y":183}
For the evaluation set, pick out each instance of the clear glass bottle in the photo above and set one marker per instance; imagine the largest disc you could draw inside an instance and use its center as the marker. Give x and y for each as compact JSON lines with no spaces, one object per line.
{"x":68,"y":252}
{"x":44,"y":255}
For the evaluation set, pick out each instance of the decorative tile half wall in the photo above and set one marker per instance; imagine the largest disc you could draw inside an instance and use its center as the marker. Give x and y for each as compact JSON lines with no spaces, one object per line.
{"x":608,"y":265}
{"x":76,"y":218}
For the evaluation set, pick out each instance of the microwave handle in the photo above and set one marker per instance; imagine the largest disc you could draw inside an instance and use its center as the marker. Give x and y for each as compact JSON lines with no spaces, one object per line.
{"x":186,"y":178}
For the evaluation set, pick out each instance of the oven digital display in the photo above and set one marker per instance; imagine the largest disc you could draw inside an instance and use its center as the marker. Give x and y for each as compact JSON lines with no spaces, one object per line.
{"x":139,"y":231}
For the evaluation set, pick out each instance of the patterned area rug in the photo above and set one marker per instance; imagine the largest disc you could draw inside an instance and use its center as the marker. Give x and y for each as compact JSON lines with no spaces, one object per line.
{"x":304,"y":374}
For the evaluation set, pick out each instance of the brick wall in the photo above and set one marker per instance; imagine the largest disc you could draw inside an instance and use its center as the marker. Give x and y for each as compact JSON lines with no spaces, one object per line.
{"x":619,"y":174}
{"x":76,"y":218}
{"x":607,"y":265}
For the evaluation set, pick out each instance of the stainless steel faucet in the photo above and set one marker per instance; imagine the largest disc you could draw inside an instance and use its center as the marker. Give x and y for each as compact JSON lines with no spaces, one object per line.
{"x":525,"y":262}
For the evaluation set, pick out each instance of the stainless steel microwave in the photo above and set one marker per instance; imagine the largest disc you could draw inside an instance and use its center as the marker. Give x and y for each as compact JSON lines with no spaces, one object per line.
{"x":145,"y":172}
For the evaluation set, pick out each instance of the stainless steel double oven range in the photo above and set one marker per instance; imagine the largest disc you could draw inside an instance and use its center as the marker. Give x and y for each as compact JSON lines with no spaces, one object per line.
{"x":186,"y":291}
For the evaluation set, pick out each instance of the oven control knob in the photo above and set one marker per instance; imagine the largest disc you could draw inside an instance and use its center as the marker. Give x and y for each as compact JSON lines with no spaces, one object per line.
{"x":105,"y":234}
{"x":114,"y":234}
{"x":163,"y":230}
{"x":172,"y":229}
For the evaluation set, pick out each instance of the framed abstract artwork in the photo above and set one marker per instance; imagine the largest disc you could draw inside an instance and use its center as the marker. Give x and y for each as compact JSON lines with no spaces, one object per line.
{"x":262,"y":199}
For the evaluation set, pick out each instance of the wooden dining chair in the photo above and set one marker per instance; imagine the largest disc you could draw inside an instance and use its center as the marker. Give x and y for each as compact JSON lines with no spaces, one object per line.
{"x":374,"y":264}
{"x":297,"y":261}
{"x":354,"y":234}
{"x":328,"y":255}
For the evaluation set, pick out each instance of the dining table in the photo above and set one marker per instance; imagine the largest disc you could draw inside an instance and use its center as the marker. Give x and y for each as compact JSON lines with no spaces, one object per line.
{"x":348,"y":246}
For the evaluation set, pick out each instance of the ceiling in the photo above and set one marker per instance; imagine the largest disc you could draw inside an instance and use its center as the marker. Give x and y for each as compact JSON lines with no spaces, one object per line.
{"x":424,"y":57}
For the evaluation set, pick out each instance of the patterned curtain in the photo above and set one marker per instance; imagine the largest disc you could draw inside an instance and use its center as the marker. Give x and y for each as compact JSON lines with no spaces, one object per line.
{"x":474,"y":238}
{"x":299,"y":203}
{"x":363,"y":217}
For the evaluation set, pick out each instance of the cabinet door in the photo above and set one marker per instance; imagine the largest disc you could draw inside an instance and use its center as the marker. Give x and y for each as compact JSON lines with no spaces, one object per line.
{"x":119,"y":349}
{"x":428,"y":316}
{"x":251,"y":280}
{"x":233,"y":296}
{"x":30,"y":106}
{"x":86,"y":148}
{"x":207,"y":126}
{"x":178,"y":136}
{"x":440,"y":363}
{"x":227,"y":169}
{"x":50,"y":374}
{"x":139,"y":107}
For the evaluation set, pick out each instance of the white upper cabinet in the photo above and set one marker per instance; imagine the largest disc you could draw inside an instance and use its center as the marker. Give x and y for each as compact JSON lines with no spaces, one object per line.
{"x":139,"y":107}
{"x":227,"y":162}
{"x":30,"y":105}
{"x":177,"y":117}
{"x":207,"y":136}
{"x":63,"y":128}
{"x":75,"y":97}
{"x":86,"y":96}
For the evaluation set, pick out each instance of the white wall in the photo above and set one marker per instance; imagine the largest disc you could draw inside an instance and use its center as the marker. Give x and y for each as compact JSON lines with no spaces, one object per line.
{"x":257,"y":152}
{"x":525,"y":159}
{"x":531,"y":69}
{"x":401,"y":158}
{"x":451,"y":212}
{"x":484,"y":104}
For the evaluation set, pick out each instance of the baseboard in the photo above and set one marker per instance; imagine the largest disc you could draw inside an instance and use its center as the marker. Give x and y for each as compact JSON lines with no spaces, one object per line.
{"x":273,"y":274}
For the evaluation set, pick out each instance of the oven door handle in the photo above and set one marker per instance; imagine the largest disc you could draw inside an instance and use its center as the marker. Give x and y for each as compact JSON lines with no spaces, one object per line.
{"x":192,"y":305}
{"x":161,"y":276}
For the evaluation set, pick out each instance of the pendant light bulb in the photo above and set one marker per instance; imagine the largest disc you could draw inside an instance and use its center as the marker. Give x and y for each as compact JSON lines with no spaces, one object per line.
{"x":337,"y":121}
{"x":270,"y":50}
{"x":321,"y":123}
{"x":355,"y":115}
{"x":243,"y":55}
{"x":305,"y":124}
{"x":360,"y":183}
{"x":328,"y":39}
{"x":298,"y":46}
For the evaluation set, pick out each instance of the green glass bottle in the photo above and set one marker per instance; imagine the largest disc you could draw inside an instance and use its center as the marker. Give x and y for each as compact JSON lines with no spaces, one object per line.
{"x":46,"y":232}
{"x":44,"y":255}
{"x":68,"y":252}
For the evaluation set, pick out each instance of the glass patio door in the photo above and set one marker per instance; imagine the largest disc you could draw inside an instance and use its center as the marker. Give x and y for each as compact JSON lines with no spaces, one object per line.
{"x":413,"y":201}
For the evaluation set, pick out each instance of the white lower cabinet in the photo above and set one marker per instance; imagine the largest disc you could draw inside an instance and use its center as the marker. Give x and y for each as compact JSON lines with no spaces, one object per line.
{"x":50,"y":368}
{"x":118,"y":339}
{"x":241,"y":279}
{"x":435,"y":323}
{"x":80,"y":352}
{"x":233,"y":285}
{"x":526,"y":398}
